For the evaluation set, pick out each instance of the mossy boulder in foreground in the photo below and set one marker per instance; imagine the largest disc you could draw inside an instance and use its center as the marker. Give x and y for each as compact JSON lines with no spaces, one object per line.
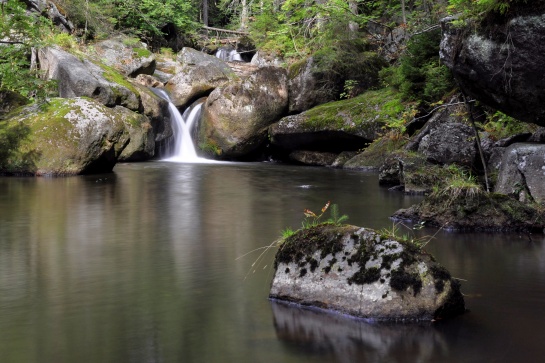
{"x":360,"y":272}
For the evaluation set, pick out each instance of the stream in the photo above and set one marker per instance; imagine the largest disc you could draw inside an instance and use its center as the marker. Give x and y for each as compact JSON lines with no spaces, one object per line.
{"x":153,"y":263}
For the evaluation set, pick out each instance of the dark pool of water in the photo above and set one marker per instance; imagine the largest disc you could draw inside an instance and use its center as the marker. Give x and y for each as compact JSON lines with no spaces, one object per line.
{"x":144,"y":265}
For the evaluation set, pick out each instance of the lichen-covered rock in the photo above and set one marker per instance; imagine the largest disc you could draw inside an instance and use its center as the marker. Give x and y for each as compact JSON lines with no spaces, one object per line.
{"x":502,"y":68}
{"x":474,"y":212}
{"x":358,"y":271}
{"x":236,"y":116}
{"x":141,"y":144}
{"x":64,"y":137}
{"x":127,"y":55}
{"x":83,"y":78}
{"x":263,"y":59}
{"x":522,"y":172}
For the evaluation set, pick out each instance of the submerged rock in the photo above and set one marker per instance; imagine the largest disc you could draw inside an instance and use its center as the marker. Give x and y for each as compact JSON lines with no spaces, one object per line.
{"x":63,"y":137}
{"x":358,"y":271}
{"x":522,"y":173}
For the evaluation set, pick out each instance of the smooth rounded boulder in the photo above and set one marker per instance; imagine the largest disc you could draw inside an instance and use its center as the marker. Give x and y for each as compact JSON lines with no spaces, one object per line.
{"x":62,"y":137}
{"x":236,"y":116}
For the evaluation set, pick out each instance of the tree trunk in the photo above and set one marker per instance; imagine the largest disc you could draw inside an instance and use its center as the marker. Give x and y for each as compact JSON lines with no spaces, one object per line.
{"x":353,"y":27}
{"x":403,"y":12}
{"x":205,"y":12}
{"x":244,"y":15}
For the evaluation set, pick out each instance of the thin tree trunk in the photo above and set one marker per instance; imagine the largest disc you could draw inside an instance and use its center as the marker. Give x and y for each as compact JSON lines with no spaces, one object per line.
{"x":403,"y":11}
{"x":205,"y":12}
{"x":352,"y":25}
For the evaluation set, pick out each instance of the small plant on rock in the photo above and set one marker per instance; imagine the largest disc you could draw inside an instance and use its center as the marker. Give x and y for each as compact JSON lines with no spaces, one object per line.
{"x":312,"y":219}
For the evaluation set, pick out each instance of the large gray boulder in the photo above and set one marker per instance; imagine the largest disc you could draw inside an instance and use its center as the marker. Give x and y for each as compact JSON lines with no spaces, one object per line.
{"x":64,"y":137}
{"x":83,"y":78}
{"x":200,"y":73}
{"x":503,"y":68}
{"x":236,"y":116}
{"x":362,"y":273}
{"x":128,"y":56}
{"x":305,"y":90}
{"x":522,"y":172}
{"x":447,"y":138}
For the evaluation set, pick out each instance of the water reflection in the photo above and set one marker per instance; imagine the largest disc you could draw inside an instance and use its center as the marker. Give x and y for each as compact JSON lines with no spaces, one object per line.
{"x":142,"y":266}
{"x":345,"y":339}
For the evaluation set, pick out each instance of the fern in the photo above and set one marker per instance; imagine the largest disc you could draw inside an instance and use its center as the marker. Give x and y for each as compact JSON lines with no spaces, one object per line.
{"x":336,"y":218}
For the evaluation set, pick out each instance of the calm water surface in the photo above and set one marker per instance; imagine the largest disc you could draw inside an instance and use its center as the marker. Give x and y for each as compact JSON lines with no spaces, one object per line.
{"x":144,"y":265}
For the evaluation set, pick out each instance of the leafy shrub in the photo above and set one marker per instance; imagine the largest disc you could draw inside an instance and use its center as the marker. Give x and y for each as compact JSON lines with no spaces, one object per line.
{"x":420,"y":76}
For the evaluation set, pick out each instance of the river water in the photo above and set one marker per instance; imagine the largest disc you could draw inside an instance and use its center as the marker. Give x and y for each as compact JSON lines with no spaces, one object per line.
{"x":147,"y":265}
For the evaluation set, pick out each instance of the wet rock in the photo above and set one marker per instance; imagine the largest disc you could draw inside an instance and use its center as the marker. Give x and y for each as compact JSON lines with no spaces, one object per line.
{"x":156,"y":109}
{"x":313,"y":158}
{"x":522,"y":172}
{"x":83,"y":78}
{"x":141,"y":144}
{"x":129,"y":56}
{"x":500,"y":66}
{"x":236,"y":116}
{"x":359,"y":272}
{"x":64,"y":137}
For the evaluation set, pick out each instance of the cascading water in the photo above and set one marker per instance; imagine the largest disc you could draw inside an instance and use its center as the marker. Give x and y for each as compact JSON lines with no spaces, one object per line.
{"x":228,"y":55}
{"x":184,"y":148}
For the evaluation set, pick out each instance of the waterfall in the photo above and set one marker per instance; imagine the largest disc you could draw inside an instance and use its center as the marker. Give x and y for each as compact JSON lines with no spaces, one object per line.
{"x":228,"y":55}
{"x":184,"y":148}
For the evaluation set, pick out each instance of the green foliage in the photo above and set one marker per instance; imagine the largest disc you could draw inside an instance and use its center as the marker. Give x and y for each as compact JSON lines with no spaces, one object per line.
{"x":349,"y":88}
{"x":407,"y":237}
{"x":20,"y":33}
{"x":287,"y":232}
{"x":312,"y":219}
{"x":11,"y":136}
{"x":473,"y":8}
{"x":500,"y":126}
{"x":142,"y":18}
{"x":460,"y":185}
{"x":420,"y":76}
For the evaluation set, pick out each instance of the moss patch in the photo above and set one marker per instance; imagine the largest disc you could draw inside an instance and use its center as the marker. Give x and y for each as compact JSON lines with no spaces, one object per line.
{"x":485,"y":212}
{"x":306,"y":242}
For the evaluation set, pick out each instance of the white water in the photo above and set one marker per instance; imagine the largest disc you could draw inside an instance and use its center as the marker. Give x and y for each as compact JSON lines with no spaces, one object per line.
{"x":228,"y":55}
{"x":184,"y":148}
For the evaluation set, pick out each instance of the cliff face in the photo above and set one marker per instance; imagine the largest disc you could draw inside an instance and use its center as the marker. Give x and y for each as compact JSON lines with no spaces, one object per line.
{"x":501,"y":65}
